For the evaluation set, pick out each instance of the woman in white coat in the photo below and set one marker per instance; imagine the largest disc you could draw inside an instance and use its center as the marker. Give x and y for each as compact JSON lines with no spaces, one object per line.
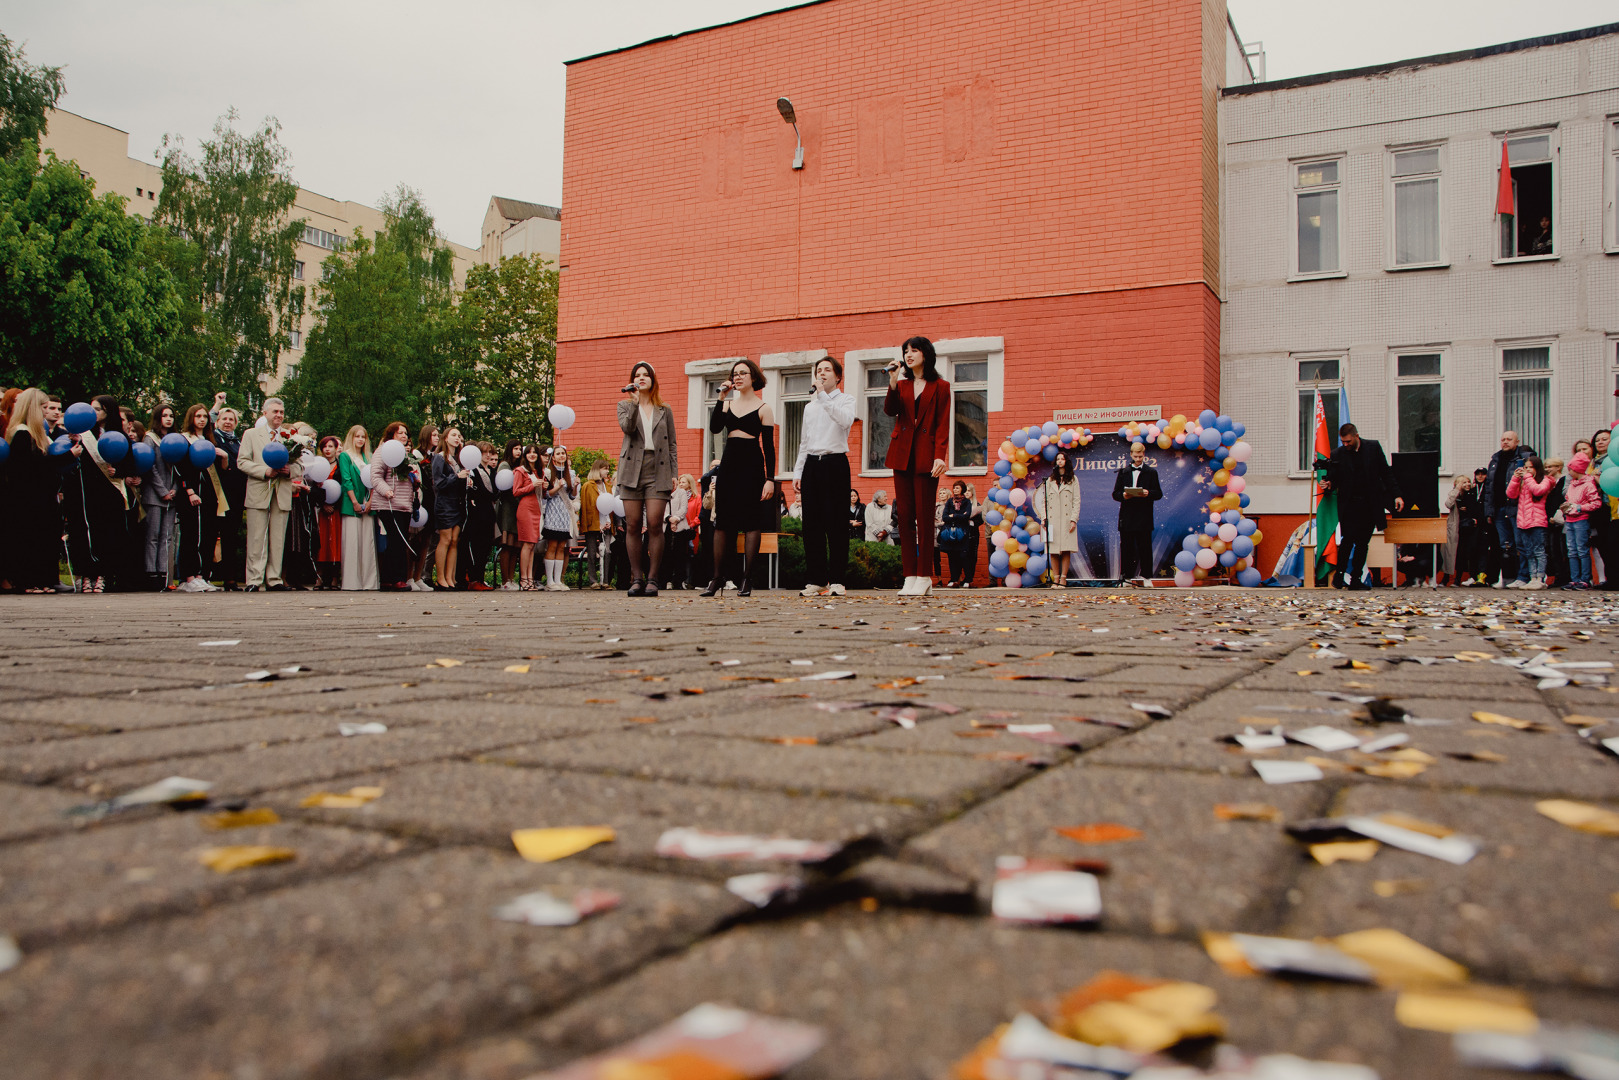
{"x":1056,"y":501}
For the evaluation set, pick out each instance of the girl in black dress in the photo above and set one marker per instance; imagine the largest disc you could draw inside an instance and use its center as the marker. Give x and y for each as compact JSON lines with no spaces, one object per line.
{"x":94,"y":501}
{"x":744,"y":490}
{"x":33,"y":532}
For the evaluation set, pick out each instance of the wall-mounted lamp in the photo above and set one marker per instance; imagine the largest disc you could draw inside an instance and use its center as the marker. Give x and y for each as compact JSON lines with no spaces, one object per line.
{"x":785,"y":107}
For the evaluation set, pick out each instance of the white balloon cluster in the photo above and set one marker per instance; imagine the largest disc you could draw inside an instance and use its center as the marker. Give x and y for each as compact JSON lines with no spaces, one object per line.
{"x":608,"y":504}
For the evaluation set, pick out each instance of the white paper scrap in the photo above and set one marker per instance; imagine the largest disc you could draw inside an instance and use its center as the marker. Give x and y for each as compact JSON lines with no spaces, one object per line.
{"x":1612,"y":745}
{"x":1387,"y":742}
{"x":688,"y":843}
{"x":1044,"y":896}
{"x":803,"y":663}
{"x":1027,"y":1039}
{"x":1451,"y":849}
{"x":826,"y":676}
{"x":166,"y":790}
{"x":219,"y":644}
{"x":1303,"y":957}
{"x":1028,"y":729}
{"x":1325,"y":738}
{"x":1287,"y":772}
{"x":1289,"y":1067}
{"x":538,"y":909}
{"x":759,"y":889}
{"x":1250,"y":739}
{"x":10,"y":955}
{"x":1151,"y":709}
{"x":372,"y":728}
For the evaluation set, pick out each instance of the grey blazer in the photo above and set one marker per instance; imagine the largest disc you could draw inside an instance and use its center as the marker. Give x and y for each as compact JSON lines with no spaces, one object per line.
{"x":665,"y":448}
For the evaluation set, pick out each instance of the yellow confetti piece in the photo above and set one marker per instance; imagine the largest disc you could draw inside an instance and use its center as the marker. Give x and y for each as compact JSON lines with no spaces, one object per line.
{"x":1503,"y":721}
{"x":549,"y":845}
{"x":1581,"y":816}
{"x":1471,"y":657}
{"x":1411,"y":753}
{"x":516,"y":669}
{"x":446,"y":662}
{"x":356,"y":797}
{"x":1476,"y":1008}
{"x":1247,"y":812}
{"x":241,"y":819}
{"x":1576,"y":720}
{"x":1395,"y":770}
{"x":1390,"y":887}
{"x":1302,"y":674}
{"x":224,"y":860}
{"x":1344,"y":851}
{"x":1400,"y":962}
{"x":1406,"y":821}
{"x":1225,"y":952}
{"x":1359,"y":665}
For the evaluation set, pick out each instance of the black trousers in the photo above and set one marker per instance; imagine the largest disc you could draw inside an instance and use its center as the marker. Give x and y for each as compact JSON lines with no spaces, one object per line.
{"x":962,"y":559}
{"x":472,"y":556}
{"x":199,"y":526}
{"x":1470,"y":553}
{"x":232,"y":543}
{"x":1352,"y":552}
{"x":1135,"y":552}
{"x":823,"y":491}
{"x":395,"y":559}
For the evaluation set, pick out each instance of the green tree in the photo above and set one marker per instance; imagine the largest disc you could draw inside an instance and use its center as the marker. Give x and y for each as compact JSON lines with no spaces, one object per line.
{"x":504,"y":385}
{"x":234,"y":205}
{"x":87,"y":303}
{"x":386,"y":323}
{"x":27,"y":93}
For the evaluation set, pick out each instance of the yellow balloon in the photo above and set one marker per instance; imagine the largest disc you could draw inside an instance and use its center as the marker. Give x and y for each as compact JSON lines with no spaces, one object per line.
{"x":1019,"y":560}
{"x":1033,"y":528}
{"x":1232,"y":501}
{"x":1177,"y":421}
{"x":1007,"y":448}
{"x":1257,"y":537}
{"x":1019,"y":469}
{"x":1021,"y":456}
{"x":1164,"y":442}
{"x":1204,"y":540}
{"x":1221,"y":478}
{"x":1219,"y":547}
{"x":1200,"y":573}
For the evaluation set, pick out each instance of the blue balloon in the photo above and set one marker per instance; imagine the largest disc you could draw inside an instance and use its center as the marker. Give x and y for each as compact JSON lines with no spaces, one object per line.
{"x":1239,"y":468}
{"x":1221,"y":453}
{"x":1227,"y":438}
{"x":1037,"y":544}
{"x":1228,"y":558}
{"x":202,"y":453}
{"x":1032,"y":446}
{"x":1049,"y":429}
{"x":1185,"y":560}
{"x":1206,"y":418}
{"x":1243,"y":546}
{"x":1002,"y":468}
{"x":143,"y":456}
{"x":992,"y":518}
{"x":1050,"y":452}
{"x":1020,"y":436}
{"x":1005,"y":483}
{"x":1209,"y":439}
{"x":1022,"y":520}
{"x":1246,"y":527}
{"x":1211,"y":529}
{"x":112,"y":446}
{"x":1239,"y":427}
{"x":5,"y":451}
{"x":1020,"y":535}
{"x":1223,"y":422}
{"x":1190,"y":545}
{"x":1243,"y":500}
{"x":997,"y":495}
{"x":60,"y":445}
{"x":1249,"y":578}
{"x":174,"y":448}
{"x":999,"y":562}
{"x":275,"y":456}
{"x":1230,"y":517}
{"x":79,"y":418}
{"x":1035,"y":566}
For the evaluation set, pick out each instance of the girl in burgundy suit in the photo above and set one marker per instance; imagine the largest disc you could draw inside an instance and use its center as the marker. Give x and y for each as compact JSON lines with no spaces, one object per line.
{"x":920,"y":403}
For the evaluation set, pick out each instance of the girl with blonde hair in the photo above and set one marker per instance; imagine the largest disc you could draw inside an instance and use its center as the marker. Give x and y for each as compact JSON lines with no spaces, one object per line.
{"x":34,"y":532}
{"x":360,"y":572}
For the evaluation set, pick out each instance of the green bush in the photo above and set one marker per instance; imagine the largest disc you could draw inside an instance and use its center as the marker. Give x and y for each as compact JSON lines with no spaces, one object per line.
{"x":871,"y":566}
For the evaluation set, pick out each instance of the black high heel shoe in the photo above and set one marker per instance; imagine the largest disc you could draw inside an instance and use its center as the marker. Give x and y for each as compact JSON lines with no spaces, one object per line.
{"x":712,"y":589}
{"x":637,"y":587}
{"x":746,"y":588}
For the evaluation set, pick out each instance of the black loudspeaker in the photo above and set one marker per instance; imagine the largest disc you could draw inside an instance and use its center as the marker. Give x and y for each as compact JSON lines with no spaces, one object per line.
{"x":1418,"y":477}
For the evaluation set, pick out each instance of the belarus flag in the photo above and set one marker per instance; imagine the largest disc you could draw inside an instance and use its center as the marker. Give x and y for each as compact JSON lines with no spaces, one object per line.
{"x":1326,"y":507}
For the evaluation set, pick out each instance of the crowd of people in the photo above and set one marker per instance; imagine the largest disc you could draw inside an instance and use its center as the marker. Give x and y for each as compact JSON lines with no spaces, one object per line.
{"x":1527,"y":521}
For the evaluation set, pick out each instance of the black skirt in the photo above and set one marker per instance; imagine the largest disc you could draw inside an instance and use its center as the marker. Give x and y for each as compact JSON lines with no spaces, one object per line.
{"x":738,"y":486}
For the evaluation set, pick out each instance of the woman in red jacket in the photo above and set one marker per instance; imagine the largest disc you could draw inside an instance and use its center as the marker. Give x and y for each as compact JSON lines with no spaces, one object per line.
{"x":919,"y":401}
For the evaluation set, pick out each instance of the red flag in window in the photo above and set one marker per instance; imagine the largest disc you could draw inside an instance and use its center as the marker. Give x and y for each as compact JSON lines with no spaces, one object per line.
{"x":1504,"y":202}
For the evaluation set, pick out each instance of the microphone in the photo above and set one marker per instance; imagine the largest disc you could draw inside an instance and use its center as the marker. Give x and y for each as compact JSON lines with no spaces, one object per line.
{"x":630,"y":389}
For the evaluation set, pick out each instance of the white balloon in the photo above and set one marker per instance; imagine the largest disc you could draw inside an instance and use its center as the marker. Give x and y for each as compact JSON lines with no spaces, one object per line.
{"x":333,"y":489}
{"x":1185,"y":579}
{"x":263,"y":424}
{"x":392,"y":453}
{"x":470,"y":457}
{"x":1240,"y":451}
{"x":1228,"y":532}
{"x":317,"y":471}
{"x":604,"y":503}
{"x":365,"y":476}
{"x":561,"y":417}
{"x":503,"y":480}
{"x":1206,"y":558}
{"x":419,"y":518}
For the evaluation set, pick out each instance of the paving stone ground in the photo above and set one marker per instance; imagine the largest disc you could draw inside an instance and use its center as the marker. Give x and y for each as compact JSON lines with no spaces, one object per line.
{"x":374,"y":953}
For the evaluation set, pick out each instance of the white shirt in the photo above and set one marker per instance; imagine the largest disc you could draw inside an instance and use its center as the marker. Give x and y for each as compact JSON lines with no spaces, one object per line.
{"x":827,"y":419}
{"x":646,"y":425}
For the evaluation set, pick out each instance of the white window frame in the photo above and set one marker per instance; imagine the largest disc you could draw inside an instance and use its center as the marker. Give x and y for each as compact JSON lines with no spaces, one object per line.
{"x":297,"y":269}
{"x":1502,"y":377}
{"x":986,"y":350}
{"x":1340,"y":384}
{"x":698,"y":399}
{"x":1396,"y":380}
{"x":1610,"y":189}
{"x":296,"y":339}
{"x":1294,"y":191}
{"x":1552,"y":155}
{"x":856,"y":362}
{"x":777,"y":366}
{"x":1389,"y":185}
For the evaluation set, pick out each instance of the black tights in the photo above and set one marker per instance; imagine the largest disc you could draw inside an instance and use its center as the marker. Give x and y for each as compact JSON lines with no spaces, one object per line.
{"x":725,"y":543}
{"x":656,"y":509}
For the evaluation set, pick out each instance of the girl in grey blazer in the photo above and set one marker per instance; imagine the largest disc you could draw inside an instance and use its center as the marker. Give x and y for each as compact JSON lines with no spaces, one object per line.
{"x":648,"y":463}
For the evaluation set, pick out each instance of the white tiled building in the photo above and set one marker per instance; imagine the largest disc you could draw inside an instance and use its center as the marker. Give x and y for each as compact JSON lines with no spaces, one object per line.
{"x":1363,"y":253}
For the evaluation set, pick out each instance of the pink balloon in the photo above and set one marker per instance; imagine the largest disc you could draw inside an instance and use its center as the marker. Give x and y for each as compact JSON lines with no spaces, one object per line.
{"x":1235,"y":485}
{"x":1184,"y":579}
{"x":1014,"y":579}
{"x":1228,"y":532}
{"x":1018,"y":496}
{"x":1206,"y":558}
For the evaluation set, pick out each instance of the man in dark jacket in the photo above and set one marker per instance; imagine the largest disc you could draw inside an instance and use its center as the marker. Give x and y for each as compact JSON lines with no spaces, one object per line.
{"x":1135,"y":489}
{"x":1360,"y":474}
{"x":1500,"y":512}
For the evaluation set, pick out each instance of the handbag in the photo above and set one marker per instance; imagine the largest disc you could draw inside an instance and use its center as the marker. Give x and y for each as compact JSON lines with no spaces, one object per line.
{"x":952,"y":534}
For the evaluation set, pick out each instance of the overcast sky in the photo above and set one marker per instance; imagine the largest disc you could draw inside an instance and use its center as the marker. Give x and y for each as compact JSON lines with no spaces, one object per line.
{"x":464,"y":100}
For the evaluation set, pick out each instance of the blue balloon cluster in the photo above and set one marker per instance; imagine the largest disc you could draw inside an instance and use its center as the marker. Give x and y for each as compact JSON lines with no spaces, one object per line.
{"x":112,"y":446}
{"x":143,"y":455}
{"x":275,"y":456}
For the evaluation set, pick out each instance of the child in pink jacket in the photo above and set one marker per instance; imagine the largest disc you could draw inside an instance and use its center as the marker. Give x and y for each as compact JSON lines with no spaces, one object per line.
{"x":1581,"y":497}
{"x":1529,"y":485}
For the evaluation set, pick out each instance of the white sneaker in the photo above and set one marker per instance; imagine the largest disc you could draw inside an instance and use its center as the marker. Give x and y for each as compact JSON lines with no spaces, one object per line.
{"x":1535,"y":584}
{"x":1516,"y":584}
{"x":560,"y":587}
{"x":730,"y":586}
{"x":510,"y":586}
{"x":422,"y":586}
{"x":188,"y":585}
{"x":1501,"y":584}
{"x":813,"y":590}
{"x":833,"y":590}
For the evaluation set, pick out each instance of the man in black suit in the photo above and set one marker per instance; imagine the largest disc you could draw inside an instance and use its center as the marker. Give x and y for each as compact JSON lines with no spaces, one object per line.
{"x":1360,"y":474}
{"x":1135,"y":489}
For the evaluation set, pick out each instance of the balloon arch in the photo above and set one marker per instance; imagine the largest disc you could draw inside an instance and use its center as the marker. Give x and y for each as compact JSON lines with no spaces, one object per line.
{"x":1225,"y":544}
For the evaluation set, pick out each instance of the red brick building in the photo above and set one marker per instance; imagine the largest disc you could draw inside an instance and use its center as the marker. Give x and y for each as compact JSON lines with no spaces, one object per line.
{"x":1034,"y":186}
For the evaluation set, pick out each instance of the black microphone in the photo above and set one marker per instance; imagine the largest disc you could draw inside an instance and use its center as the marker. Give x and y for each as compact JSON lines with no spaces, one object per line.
{"x":630,"y":389}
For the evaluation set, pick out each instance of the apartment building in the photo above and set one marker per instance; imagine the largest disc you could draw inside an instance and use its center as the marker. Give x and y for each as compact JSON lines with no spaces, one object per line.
{"x":512,"y":227}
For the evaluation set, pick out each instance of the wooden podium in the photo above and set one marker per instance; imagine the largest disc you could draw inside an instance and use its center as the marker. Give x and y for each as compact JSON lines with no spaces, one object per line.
{"x":1381,"y":551}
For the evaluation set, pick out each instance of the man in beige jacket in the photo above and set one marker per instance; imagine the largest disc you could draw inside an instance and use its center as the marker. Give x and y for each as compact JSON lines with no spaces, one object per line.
{"x":268,"y":500}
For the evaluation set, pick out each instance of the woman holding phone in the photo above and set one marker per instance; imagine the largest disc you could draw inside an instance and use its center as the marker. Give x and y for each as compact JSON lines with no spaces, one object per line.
{"x":648,"y":461}
{"x":743,"y":486}
{"x":919,"y":401}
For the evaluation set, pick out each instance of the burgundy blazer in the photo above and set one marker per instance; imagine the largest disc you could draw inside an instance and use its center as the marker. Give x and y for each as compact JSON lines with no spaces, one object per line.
{"x":926,"y":419}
